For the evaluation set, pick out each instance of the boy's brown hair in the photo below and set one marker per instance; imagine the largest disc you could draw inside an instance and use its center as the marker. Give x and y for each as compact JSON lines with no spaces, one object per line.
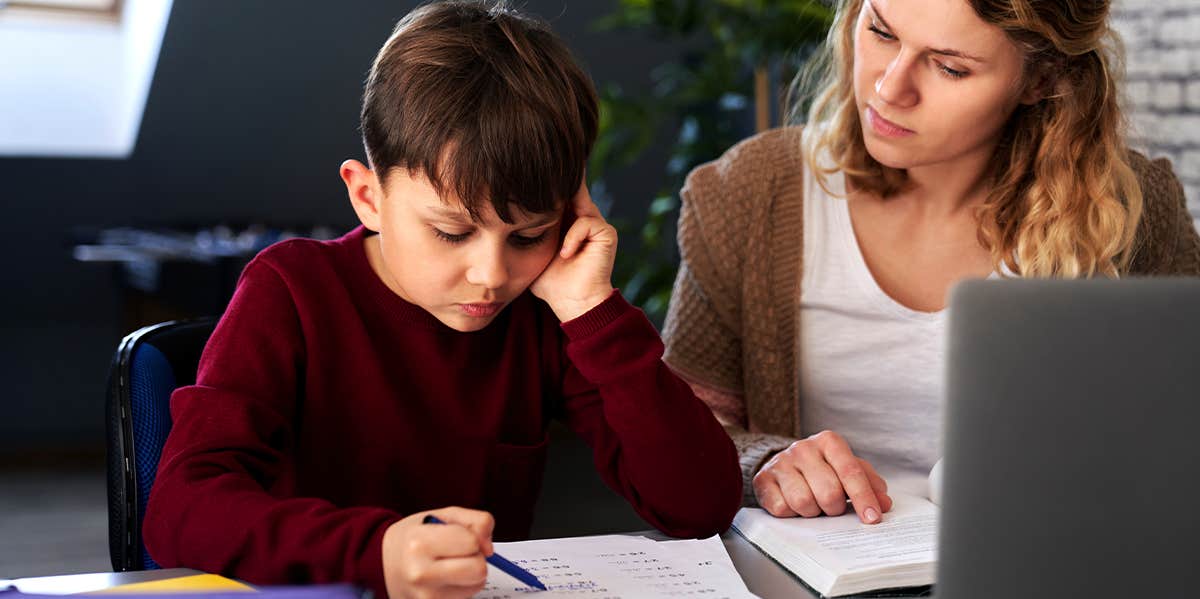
{"x":487,"y":103}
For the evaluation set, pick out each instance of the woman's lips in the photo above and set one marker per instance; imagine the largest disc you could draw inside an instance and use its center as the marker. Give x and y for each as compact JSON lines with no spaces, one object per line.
{"x":885,"y":127}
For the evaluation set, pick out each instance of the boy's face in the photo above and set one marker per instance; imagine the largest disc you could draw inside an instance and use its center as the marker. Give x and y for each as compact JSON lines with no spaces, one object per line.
{"x":430,"y":253}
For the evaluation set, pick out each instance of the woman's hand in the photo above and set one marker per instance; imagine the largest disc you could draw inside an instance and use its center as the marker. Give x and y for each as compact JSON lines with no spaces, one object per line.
{"x":449,"y":560}
{"x":580,"y":276}
{"x":815,"y":476}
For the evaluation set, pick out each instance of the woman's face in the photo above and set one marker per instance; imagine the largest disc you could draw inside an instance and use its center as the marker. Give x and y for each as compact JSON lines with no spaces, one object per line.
{"x":933,"y":82}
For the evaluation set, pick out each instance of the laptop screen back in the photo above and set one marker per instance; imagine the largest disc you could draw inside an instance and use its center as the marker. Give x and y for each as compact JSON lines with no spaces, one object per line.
{"x":1072,"y":450}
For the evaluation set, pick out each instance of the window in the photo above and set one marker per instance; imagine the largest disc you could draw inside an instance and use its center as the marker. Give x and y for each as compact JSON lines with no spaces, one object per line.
{"x":80,"y":75}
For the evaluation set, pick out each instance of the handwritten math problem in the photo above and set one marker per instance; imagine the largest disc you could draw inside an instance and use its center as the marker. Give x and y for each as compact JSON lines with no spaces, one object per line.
{"x":618,"y":566}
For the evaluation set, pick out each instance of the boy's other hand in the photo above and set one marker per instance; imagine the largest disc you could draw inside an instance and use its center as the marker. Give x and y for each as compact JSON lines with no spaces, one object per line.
{"x":815,"y":476}
{"x":580,"y":276}
{"x":430,"y":560}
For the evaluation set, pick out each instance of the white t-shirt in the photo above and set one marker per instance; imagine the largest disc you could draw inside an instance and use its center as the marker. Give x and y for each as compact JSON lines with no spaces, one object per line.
{"x":871,"y":369}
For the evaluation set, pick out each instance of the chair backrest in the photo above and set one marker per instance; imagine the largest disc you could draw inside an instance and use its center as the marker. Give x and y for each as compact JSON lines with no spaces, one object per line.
{"x":149,"y":364}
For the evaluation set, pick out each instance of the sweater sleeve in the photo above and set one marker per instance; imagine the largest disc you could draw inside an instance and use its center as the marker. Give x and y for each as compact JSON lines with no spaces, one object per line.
{"x":212,"y":506}
{"x":652,"y":440}
{"x":1167,"y":242}
{"x":702,"y":331}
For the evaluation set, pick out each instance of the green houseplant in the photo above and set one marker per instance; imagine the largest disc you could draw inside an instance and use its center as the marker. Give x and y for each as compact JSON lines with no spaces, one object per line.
{"x":736,"y":53}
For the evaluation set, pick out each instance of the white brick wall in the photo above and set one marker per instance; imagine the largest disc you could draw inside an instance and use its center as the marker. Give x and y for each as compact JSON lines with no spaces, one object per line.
{"x":1162,"y":44}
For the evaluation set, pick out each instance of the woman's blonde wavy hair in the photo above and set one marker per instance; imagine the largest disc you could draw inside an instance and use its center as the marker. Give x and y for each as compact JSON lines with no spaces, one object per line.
{"x":1064,"y":201}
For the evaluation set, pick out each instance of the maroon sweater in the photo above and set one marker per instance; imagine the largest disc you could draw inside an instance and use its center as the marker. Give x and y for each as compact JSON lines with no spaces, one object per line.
{"x":326,"y":408}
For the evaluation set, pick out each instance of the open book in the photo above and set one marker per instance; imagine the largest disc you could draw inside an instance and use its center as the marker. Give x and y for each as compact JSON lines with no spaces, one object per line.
{"x":840,"y":555}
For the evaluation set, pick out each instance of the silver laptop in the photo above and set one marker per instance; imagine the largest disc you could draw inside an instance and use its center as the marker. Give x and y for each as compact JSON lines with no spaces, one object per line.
{"x":1072,"y":450}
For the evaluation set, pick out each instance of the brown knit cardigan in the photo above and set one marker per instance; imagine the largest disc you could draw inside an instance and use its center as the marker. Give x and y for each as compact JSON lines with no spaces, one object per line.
{"x":734,"y":314}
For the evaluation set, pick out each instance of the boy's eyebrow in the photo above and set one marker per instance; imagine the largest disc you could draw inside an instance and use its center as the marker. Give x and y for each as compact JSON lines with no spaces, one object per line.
{"x":450,"y":213}
{"x":462,"y":217}
{"x":939,"y":51}
{"x":544,"y":220}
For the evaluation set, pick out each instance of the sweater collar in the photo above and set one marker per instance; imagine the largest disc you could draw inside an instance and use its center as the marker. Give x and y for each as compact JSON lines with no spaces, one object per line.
{"x":354,"y":244}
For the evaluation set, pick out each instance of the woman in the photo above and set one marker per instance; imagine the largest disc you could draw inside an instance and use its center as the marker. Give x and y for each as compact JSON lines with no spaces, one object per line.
{"x":950,"y":139}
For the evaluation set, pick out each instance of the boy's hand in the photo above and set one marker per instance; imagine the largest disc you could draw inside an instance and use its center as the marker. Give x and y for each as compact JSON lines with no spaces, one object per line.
{"x":438,"y":561}
{"x":580,"y":276}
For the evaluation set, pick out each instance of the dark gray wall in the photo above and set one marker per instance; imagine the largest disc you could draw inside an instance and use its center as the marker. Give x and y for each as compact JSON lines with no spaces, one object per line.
{"x":253,"y":107}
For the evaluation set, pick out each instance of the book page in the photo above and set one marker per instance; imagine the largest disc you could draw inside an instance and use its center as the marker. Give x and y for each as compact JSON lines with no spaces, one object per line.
{"x":618,"y":566}
{"x":897,"y":541}
{"x":820,"y":550}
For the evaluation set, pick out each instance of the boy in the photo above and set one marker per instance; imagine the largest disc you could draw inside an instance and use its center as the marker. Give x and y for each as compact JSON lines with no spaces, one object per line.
{"x":355,"y":386}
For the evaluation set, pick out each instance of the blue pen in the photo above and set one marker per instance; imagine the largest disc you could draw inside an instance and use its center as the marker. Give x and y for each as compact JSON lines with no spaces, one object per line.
{"x":504,"y":565}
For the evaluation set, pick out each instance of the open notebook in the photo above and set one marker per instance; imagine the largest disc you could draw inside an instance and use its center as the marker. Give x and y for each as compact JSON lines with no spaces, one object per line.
{"x":601,"y":566}
{"x":619,"y":566}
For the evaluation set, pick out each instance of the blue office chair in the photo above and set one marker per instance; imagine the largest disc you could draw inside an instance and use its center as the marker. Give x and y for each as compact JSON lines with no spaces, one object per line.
{"x":149,"y":364}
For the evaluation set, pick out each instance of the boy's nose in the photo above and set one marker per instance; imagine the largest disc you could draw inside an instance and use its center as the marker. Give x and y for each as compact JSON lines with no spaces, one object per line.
{"x":488,"y":270}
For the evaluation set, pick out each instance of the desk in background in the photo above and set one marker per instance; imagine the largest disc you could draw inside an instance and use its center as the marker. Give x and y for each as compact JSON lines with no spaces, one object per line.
{"x":171,"y":273}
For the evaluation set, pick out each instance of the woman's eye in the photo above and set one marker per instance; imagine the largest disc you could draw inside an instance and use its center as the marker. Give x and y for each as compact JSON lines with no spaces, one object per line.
{"x":881,"y":34}
{"x":451,"y":237}
{"x":952,"y":73}
{"x":522,"y":241}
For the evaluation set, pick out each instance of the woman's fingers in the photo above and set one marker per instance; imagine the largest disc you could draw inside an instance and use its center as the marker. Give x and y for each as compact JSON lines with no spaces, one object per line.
{"x":817,"y":475}
{"x":797,"y":493}
{"x":879,"y":485}
{"x":797,"y":481}
{"x":769,"y":495}
{"x":822,"y":479}
{"x":851,"y":476}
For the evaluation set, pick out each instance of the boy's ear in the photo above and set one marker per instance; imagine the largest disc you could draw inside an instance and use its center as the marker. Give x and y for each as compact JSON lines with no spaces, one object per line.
{"x":365,"y":192}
